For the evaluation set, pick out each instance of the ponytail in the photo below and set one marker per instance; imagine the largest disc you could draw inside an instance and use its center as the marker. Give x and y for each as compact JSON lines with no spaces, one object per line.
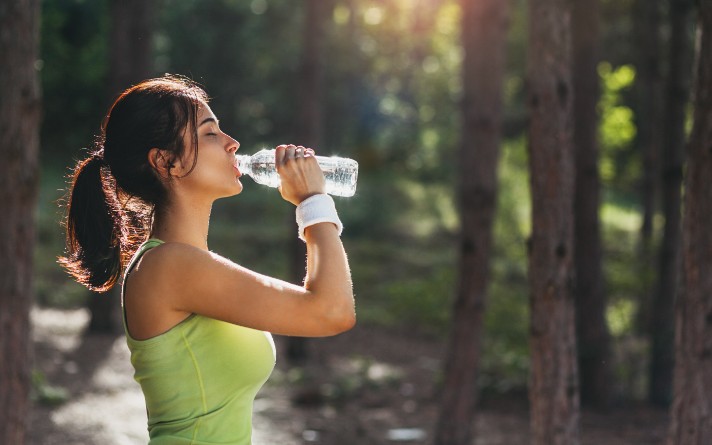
{"x":115,"y":191}
{"x":93,"y":242}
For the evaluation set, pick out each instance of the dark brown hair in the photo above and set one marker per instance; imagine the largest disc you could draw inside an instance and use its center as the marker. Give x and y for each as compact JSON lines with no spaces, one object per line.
{"x":114,"y":192}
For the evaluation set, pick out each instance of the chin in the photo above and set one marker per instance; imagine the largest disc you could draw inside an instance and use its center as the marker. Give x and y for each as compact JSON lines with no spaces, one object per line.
{"x":231,"y":191}
{"x":240,"y":187}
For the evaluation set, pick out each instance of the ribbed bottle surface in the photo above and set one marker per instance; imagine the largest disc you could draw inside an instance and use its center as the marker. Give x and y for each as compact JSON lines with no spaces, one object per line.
{"x":340,"y":173}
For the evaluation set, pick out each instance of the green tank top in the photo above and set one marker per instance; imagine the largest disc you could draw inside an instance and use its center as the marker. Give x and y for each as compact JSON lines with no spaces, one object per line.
{"x":200,"y":377}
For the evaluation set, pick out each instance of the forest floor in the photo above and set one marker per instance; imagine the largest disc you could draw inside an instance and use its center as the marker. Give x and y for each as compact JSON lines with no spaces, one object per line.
{"x":369,"y":386}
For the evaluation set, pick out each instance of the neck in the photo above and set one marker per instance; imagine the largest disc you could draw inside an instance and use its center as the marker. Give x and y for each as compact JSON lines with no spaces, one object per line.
{"x":183,"y":222}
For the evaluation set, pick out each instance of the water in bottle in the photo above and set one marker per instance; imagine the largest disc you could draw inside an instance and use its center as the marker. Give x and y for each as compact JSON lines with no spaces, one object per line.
{"x":340,"y":173}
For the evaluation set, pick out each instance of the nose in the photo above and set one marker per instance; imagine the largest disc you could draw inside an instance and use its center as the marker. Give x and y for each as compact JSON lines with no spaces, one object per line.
{"x":233,"y":145}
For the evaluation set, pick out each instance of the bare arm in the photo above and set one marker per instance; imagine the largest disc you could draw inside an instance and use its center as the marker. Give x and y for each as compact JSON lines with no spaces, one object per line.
{"x":328,"y":270}
{"x":192,"y":280}
{"x":196,"y":281}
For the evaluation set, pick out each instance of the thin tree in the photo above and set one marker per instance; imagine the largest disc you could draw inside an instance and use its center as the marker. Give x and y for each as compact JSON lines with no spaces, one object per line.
{"x":677,"y":93}
{"x":691,"y":414}
{"x":484,"y":32}
{"x":19,"y":145}
{"x":648,"y":89}
{"x":309,"y":129}
{"x":553,"y":391}
{"x":130,"y":45}
{"x":593,"y":337}
{"x":648,"y":85}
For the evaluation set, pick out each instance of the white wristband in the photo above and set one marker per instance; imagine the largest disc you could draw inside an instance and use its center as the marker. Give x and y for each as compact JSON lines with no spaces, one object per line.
{"x":317,"y":209}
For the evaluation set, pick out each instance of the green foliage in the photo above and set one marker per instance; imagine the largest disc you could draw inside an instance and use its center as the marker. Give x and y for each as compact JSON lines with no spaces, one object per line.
{"x":391,"y":100}
{"x":619,"y":167}
{"x":46,"y":394}
{"x":392,"y":97}
{"x":505,"y":360}
{"x":622,"y":268}
{"x":357,"y":374}
{"x":620,"y":317}
{"x":423,"y":302}
{"x":53,"y":287}
{"x":73,"y":69}
{"x":245,"y":54}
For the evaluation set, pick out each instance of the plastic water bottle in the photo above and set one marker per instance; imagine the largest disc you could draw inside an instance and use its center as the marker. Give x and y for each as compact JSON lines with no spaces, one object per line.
{"x":340,"y":173}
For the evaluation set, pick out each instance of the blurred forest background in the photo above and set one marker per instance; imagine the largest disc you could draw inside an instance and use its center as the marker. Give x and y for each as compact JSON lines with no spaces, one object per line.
{"x":391,"y":88}
{"x":385,"y":78}
{"x":390,"y":95}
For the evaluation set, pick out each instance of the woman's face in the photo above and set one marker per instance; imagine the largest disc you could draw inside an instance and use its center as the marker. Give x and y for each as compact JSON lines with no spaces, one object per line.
{"x":215,"y":173}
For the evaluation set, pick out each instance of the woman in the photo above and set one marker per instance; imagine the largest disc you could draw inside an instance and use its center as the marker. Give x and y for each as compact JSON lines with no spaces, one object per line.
{"x":198,"y":325}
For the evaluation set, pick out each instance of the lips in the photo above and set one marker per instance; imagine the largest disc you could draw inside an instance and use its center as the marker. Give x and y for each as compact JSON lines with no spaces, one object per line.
{"x":235,"y":167}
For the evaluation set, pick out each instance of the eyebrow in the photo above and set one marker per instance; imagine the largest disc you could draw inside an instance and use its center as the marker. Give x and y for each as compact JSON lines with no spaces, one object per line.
{"x":206,"y":120}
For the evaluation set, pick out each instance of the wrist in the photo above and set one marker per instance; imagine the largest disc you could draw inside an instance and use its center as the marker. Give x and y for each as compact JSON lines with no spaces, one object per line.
{"x":317,"y":209}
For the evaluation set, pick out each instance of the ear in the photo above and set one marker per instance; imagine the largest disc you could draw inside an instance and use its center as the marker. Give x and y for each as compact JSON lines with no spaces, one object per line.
{"x":160,"y":161}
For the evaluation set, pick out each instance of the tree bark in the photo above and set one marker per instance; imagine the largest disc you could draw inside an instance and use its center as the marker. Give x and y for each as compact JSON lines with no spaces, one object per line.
{"x":553,"y":391}
{"x":593,"y":337}
{"x":484,"y":33}
{"x":19,"y":145}
{"x":691,"y":414}
{"x":648,"y":81}
{"x":309,"y":132}
{"x":648,"y":118}
{"x":676,"y":99}
{"x":130,"y":44}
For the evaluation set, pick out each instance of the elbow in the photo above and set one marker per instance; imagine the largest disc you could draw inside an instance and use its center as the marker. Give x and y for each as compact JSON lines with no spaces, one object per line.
{"x":347,"y":322}
{"x":340,"y":319}
{"x":341,"y":325}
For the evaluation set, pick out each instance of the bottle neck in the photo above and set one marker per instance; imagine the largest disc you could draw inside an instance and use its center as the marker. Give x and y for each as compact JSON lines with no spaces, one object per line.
{"x":244,"y":164}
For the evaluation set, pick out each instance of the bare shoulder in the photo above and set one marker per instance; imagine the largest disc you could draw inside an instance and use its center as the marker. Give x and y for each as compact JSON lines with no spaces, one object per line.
{"x":150,"y":289}
{"x":171,"y":253}
{"x":175,"y":279}
{"x":170,"y":262}
{"x":173,"y":269}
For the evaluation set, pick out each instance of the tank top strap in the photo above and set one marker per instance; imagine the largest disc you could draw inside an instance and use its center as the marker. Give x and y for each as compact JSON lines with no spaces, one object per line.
{"x":143,"y":248}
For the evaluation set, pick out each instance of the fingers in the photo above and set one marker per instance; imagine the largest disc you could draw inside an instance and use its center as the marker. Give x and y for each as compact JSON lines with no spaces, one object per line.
{"x":279,"y":154}
{"x":299,"y":172}
{"x":286,"y":152}
{"x":283,"y":154}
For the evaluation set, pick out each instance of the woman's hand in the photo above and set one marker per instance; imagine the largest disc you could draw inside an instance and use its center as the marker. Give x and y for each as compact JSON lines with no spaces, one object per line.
{"x":300,"y":173}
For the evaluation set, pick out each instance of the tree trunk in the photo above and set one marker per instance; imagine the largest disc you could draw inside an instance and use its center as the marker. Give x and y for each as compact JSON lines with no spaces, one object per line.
{"x":647,"y":23}
{"x":592,"y":330}
{"x":308,"y":133}
{"x":484,"y":33}
{"x":676,"y":100}
{"x":130,"y":43}
{"x":691,"y":414}
{"x":553,"y":392}
{"x":19,"y":144}
{"x":648,"y":113}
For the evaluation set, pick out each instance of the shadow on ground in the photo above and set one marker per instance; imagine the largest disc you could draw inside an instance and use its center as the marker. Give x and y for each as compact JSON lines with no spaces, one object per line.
{"x":369,"y":386}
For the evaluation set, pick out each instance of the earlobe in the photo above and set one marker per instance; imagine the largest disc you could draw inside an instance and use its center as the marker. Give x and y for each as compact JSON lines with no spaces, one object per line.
{"x":160,"y":162}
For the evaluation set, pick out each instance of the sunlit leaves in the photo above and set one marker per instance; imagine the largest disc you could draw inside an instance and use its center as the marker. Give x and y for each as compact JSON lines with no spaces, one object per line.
{"x":617,"y":127}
